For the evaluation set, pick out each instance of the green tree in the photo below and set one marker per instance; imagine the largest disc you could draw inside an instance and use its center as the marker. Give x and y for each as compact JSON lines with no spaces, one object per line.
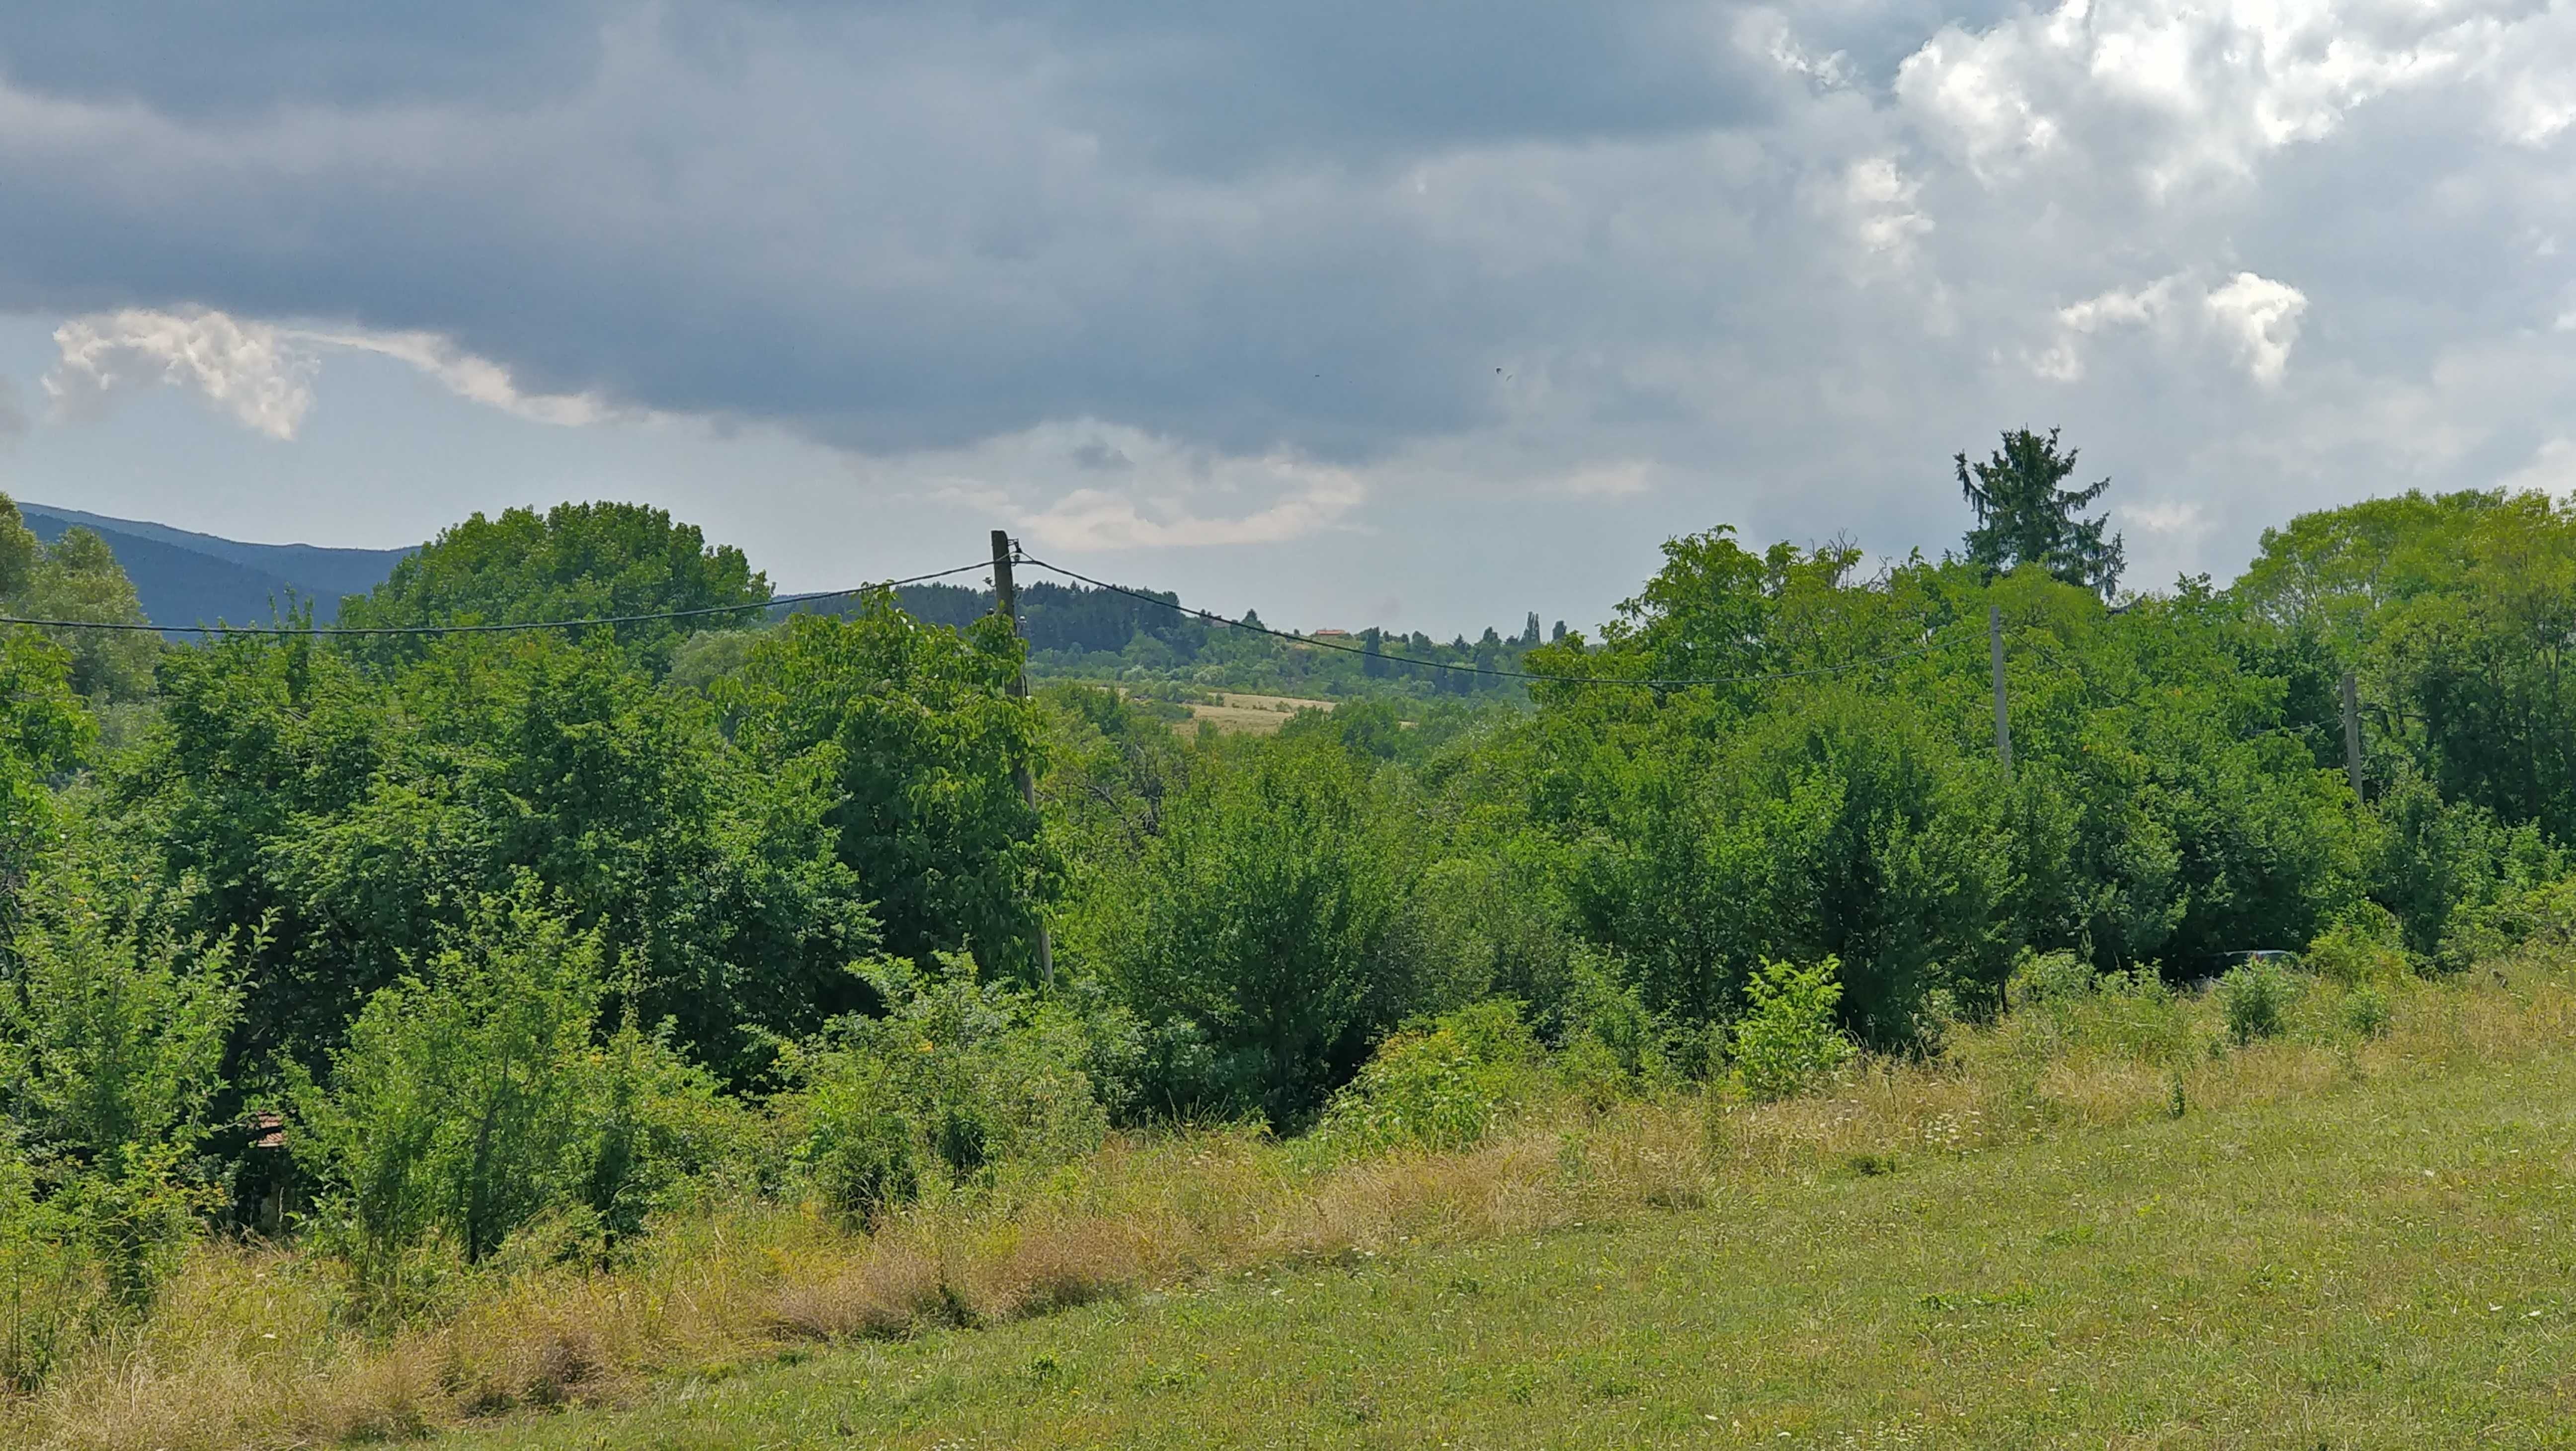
{"x":1268,"y":917}
{"x":44,"y":734}
{"x":359,"y":811}
{"x":78,"y":578}
{"x":474,"y":1095}
{"x":2024,"y":517}
{"x":576,"y":561}
{"x":2454,"y":613}
{"x":916,"y":731}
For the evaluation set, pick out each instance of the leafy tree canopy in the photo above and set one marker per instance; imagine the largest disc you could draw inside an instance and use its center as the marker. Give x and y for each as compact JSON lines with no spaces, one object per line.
{"x":575,"y":561}
{"x":78,"y":578}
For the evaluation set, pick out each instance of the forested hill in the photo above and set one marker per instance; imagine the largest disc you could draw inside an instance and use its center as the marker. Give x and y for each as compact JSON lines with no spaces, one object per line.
{"x":1153,"y":636}
{"x":184,"y":578}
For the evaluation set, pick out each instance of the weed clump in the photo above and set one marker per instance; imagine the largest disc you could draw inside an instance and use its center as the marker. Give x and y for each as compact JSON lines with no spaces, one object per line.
{"x":1788,"y":1040}
{"x":2365,"y":945}
{"x":1439,"y":1085}
{"x":2254,"y":998}
{"x":2366,"y":1012}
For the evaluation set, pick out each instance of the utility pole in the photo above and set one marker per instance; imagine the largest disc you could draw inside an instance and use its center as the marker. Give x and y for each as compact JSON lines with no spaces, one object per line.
{"x":1006,"y":602}
{"x":2352,"y":733}
{"x":2003,"y":721}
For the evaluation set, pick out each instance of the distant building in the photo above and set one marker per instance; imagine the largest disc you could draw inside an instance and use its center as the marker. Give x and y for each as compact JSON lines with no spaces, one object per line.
{"x":1329,"y":635}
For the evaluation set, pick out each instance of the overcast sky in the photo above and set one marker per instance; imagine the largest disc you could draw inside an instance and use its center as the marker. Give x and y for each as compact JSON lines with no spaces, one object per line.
{"x":1425,"y":314}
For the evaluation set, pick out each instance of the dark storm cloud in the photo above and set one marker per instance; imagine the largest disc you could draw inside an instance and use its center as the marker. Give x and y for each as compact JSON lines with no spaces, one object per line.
{"x":886,"y":225}
{"x":1787,"y":257}
{"x":206,"y":60}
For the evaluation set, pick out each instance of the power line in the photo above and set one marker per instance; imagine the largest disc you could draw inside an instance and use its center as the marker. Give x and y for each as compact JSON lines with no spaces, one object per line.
{"x":775,"y":602}
{"x":1490,"y":672}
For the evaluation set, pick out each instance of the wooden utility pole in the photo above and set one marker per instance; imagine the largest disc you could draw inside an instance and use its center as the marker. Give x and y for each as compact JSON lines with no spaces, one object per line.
{"x":2003,"y":720}
{"x":1006,"y":601}
{"x":2352,"y":733}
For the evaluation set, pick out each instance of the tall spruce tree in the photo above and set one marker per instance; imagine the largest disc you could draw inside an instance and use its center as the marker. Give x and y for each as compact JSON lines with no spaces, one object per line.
{"x":2024,"y":517}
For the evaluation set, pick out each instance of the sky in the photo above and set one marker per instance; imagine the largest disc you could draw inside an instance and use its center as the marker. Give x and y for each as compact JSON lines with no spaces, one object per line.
{"x":1427,"y":315}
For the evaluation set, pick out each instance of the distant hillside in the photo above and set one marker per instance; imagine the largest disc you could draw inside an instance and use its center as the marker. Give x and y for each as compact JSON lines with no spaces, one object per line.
{"x":184,"y":578}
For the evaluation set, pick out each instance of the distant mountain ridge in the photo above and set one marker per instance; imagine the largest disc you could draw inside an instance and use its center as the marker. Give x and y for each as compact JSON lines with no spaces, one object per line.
{"x":185,"y":578}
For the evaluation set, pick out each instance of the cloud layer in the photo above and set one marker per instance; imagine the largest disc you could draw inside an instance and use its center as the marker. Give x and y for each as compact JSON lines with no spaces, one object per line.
{"x":1780,"y":258}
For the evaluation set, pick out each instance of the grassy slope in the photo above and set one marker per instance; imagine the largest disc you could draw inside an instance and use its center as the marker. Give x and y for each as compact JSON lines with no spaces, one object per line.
{"x":2387,"y":1264}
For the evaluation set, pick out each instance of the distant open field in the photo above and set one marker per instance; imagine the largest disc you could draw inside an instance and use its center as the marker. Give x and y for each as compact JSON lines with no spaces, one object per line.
{"x":1259,"y":715}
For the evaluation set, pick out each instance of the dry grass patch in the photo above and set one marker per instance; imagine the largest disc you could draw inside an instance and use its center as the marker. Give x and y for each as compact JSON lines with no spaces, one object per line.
{"x":890,"y":1287}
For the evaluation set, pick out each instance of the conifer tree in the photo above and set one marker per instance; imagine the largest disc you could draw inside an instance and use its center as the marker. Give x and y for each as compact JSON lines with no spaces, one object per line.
{"x":2024,"y":517}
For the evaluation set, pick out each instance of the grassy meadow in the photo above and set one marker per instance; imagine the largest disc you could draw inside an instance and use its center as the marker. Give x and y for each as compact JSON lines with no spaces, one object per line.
{"x":2102,"y":1220}
{"x":2387,"y":1265}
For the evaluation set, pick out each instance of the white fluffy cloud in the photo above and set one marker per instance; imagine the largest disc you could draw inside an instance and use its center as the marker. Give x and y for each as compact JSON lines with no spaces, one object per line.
{"x":249,"y":370}
{"x":2189,"y":93}
{"x":2255,"y":320}
{"x":2261,"y":318}
{"x":262,"y":374}
{"x":477,"y":379}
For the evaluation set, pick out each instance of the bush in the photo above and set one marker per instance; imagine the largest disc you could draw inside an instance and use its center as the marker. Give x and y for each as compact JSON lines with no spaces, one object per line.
{"x":471,"y":1098}
{"x":2366,"y":944}
{"x":2048,"y":978}
{"x":862,"y":1144}
{"x":2366,"y":1012}
{"x":1269,"y":913}
{"x":1609,"y":1045}
{"x":51,"y":1287}
{"x":2255,"y":997}
{"x":111,"y":1049}
{"x":111,"y":1035}
{"x":1437,"y":1086}
{"x":1787,"y":1040}
{"x":959,"y":1080}
{"x":2541,"y":916}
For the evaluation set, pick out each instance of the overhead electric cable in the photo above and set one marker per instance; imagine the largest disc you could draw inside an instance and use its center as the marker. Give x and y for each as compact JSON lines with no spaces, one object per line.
{"x":775,"y":602}
{"x":1491,"y":672}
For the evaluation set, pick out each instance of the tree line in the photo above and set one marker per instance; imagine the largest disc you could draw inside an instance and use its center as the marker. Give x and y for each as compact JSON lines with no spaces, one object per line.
{"x":401,"y":946}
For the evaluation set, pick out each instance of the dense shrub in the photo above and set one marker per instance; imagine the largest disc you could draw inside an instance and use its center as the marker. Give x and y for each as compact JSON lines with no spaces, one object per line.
{"x":1609,"y":1044}
{"x":1788,"y":1040}
{"x":2365,"y":945}
{"x":473,"y":1096}
{"x":1269,"y":915}
{"x":53,"y":1284}
{"x":1438,"y":1085}
{"x":960,"y":1080}
{"x":111,"y":1052}
{"x":2367,"y":1012}
{"x":2255,"y":999}
{"x":2047,"y":978}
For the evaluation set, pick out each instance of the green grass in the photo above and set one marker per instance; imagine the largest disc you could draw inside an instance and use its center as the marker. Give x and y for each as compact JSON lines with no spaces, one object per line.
{"x":2391,"y":1263}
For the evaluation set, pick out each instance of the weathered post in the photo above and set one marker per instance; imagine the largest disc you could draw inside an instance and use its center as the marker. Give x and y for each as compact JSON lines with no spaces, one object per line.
{"x":2003,"y":720}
